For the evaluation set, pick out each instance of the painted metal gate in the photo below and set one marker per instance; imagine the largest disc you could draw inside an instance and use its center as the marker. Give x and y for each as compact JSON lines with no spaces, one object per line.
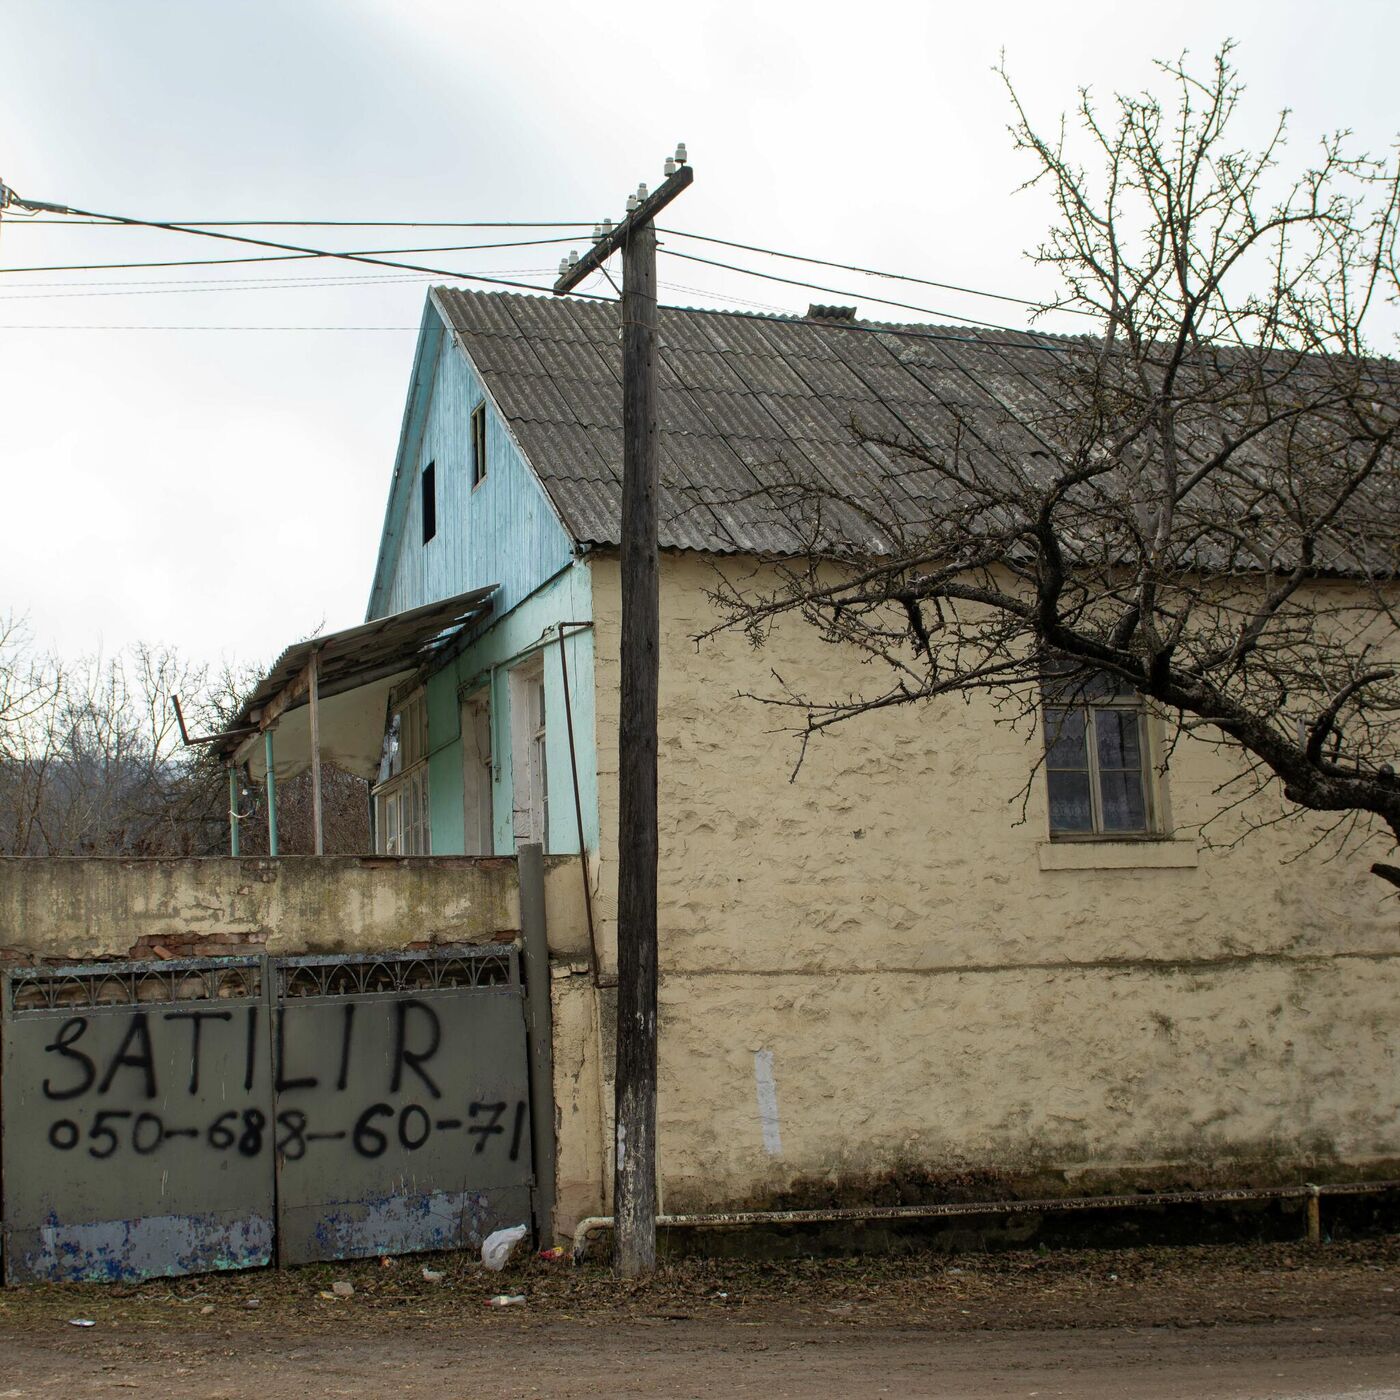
{"x":136,"y":1120}
{"x":177,"y":1117}
{"x":403,"y":1117}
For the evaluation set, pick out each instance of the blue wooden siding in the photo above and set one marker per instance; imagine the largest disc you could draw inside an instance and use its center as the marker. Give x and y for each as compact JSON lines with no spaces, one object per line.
{"x":504,"y":531}
{"x":488,"y":662}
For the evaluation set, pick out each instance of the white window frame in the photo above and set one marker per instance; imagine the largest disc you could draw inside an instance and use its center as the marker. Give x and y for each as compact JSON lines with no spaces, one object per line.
{"x":402,"y":821}
{"x":478,"y":774}
{"x":529,"y":753}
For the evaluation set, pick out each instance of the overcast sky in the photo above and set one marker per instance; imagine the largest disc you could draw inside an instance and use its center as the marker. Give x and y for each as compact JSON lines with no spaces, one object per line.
{"x":222,"y":489}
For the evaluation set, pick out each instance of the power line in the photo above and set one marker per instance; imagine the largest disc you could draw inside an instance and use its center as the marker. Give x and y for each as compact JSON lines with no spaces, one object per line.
{"x":724,"y":296}
{"x":838,"y":292}
{"x":5,"y":327}
{"x":287,"y":257}
{"x":874,"y":272}
{"x":103,"y":222}
{"x":380,"y":261}
{"x":284,"y":247}
{"x":908,"y":332}
{"x":200,"y":286}
{"x":1059,"y":345}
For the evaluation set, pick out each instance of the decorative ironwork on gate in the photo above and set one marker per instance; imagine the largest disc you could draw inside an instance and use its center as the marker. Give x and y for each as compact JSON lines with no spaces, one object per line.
{"x":29,"y":989}
{"x":375,"y":973}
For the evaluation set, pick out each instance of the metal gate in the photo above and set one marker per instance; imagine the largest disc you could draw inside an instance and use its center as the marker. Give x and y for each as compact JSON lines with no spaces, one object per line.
{"x":136,"y":1125}
{"x":178,"y":1117}
{"x":402,"y":1096}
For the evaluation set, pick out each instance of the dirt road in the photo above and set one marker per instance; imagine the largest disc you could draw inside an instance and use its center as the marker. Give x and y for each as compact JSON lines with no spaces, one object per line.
{"x":1210,"y":1322}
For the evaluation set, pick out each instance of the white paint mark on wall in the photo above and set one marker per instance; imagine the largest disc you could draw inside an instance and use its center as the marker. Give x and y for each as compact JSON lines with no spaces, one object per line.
{"x":767,"y":1102}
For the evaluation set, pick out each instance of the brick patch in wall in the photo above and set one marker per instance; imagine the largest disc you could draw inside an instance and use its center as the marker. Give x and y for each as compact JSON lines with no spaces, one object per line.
{"x":169,"y":947}
{"x":165,"y":947}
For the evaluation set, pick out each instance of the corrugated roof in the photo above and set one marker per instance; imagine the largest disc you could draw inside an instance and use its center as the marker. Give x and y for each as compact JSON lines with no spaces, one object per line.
{"x":753,"y":411}
{"x":359,"y":656}
{"x":761,"y":418}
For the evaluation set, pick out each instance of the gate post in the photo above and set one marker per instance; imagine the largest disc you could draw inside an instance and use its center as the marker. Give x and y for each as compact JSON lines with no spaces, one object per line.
{"x":539,"y":1028}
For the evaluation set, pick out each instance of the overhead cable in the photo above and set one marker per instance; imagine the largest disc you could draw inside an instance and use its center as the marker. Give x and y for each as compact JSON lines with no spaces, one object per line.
{"x":106,"y":222}
{"x":838,"y":292}
{"x":286,"y":257}
{"x":5,"y":327}
{"x":205,"y":285}
{"x":875,"y":272}
{"x":285,"y":247}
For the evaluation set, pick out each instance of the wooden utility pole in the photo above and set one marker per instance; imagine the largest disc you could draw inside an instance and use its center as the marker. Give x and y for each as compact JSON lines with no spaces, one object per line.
{"x":313,"y":684}
{"x":634,"y":1166}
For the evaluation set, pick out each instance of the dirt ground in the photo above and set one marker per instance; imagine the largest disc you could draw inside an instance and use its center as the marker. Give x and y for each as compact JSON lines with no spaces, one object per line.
{"x":1260,"y":1321}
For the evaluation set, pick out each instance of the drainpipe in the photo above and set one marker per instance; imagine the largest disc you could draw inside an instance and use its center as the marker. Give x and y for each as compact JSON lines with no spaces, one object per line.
{"x":232,"y":810}
{"x":539,"y":1028}
{"x":578,"y":802}
{"x":1312,"y":1194}
{"x":493,"y":709}
{"x":271,"y":795}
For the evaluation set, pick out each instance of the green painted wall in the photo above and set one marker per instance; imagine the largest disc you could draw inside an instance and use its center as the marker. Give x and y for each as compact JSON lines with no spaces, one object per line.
{"x":488,"y":661}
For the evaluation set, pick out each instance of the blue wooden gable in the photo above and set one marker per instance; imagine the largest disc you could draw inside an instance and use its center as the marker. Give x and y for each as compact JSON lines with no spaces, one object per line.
{"x":503,"y":531}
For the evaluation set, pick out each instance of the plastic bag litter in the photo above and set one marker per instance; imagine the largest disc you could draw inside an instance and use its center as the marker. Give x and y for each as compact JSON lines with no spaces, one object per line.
{"x":498,"y":1246}
{"x":506,"y":1300}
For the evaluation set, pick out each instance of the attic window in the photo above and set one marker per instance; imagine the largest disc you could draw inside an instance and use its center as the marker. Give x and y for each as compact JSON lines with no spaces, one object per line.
{"x":478,"y":445}
{"x":429,"y":502}
{"x":830,"y":313}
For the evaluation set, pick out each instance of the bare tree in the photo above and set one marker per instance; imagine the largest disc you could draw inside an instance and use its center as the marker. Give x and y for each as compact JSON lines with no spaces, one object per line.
{"x":92,"y":762}
{"x":344,"y":815}
{"x":345,"y":797}
{"x":1202,"y":501}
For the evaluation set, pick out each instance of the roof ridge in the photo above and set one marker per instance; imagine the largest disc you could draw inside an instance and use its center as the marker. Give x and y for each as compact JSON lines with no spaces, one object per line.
{"x":788,"y":319}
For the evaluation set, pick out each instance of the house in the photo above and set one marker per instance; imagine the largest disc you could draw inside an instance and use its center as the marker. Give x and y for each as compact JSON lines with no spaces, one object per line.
{"x":877,"y":972}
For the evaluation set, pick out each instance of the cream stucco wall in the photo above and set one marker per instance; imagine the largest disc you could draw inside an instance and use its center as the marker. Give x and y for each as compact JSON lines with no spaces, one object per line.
{"x":934,"y":994}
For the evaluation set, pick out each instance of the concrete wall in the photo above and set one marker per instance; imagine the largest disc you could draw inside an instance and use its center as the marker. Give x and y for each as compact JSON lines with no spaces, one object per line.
{"x":880,"y":969}
{"x":75,"y":908}
{"x":63,"y":910}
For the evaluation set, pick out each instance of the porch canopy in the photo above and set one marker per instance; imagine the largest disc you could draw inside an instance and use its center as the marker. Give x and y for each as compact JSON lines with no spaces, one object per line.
{"x":337,"y":686}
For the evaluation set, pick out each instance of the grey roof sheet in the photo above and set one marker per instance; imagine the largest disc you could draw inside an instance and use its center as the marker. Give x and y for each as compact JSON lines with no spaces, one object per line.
{"x":357,"y":656}
{"x":749,"y":404}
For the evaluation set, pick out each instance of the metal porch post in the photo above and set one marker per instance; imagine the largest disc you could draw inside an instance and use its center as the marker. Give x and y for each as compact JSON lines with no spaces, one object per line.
{"x":271,"y":795}
{"x":232,"y":810}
